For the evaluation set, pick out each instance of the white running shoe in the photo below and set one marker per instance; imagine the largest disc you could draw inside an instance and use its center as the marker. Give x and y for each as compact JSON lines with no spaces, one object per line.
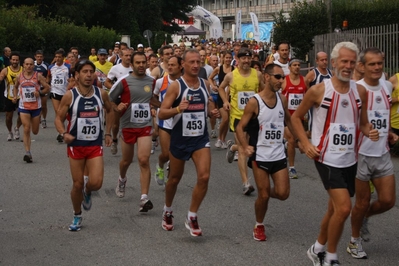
{"x":236,"y":156}
{"x":114,"y":148}
{"x":120,"y":189}
{"x":356,"y":249}
{"x":16,"y":133}
{"x":317,"y":259}
{"x":213,"y":134}
{"x":218,"y":143}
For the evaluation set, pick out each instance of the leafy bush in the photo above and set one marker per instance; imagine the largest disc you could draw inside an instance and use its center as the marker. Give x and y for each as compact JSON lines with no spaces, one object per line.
{"x":27,"y":32}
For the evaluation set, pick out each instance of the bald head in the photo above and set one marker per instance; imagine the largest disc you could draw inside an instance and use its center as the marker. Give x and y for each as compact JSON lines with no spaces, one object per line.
{"x":322,"y":60}
{"x":321,"y":54}
{"x":7,"y":51}
{"x":29,"y":60}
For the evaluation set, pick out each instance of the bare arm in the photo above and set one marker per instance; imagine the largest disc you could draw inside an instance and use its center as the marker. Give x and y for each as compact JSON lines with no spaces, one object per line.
{"x":44,"y":84}
{"x":312,"y":98}
{"x":108,"y":83}
{"x":309,"y":77}
{"x":287,"y":116}
{"x":155,"y":73}
{"x":15,"y":90}
{"x":61,"y":116}
{"x":212,"y":110}
{"x":109,"y":118}
{"x":3,"y":74}
{"x":222,"y":93}
{"x":365,"y":126}
{"x":166,"y":111}
{"x":261,"y":81}
{"x":211,"y":79}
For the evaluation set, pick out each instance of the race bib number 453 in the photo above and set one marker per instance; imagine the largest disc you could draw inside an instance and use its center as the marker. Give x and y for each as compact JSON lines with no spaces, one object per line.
{"x":193,"y":124}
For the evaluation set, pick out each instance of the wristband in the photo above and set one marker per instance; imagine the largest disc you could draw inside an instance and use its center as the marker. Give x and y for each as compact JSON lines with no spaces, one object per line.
{"x":178,"y":110}
{"x":108,"y":135}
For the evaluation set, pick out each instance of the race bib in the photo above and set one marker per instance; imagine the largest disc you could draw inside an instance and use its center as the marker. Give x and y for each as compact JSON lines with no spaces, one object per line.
{"x":243,"y":98}
{"x":29,"y":94}
{"x":272,"y":134}
{"x":342,"y":138}
{"x":294,"y":100}
{"x":58,"y":81}
{"x":88,"y":128}
{"x":193,"y":124}
{"x":380,"y":121}
{"x":141,"y":113}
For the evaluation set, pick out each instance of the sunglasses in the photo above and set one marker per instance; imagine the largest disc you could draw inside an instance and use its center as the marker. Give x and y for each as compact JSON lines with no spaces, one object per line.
{"x":277,"y":76}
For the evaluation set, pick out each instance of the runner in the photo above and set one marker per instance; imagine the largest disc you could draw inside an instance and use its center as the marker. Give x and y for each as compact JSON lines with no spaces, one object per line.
{"x":165,"y":53}
{"x":58,"y":78}
{"x":375,"y":163}
{"x":244,"y":82}
{"x":9,"y":75}
{"x":135,"y":113}
{"x":337,"y":106}
{"x":264,"y":117}
{"x":294,"y":88}
{"x":102,"y":65}
{"x":28,"y":85}
{"x":84,"y":106}
{"x":42,"y":68}
{"x":165,"y":126}
{"x":116,"y":72}
{"x":283,"y":50}
{"x":187,"y":101}
{"x":320,"y":72}
{"x":221,"y":72}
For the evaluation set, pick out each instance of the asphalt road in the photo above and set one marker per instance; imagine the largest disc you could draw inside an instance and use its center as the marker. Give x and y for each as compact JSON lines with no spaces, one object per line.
{"x":35,"y":211}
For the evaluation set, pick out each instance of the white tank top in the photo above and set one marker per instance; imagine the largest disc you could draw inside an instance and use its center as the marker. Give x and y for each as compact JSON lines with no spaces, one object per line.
{"x":336,"y":126}
{"x":269,"y":147}
{"x":378,"y":111}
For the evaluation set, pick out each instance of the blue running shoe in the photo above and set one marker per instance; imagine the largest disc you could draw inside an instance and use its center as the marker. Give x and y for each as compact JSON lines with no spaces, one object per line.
{"x":76,"y":223}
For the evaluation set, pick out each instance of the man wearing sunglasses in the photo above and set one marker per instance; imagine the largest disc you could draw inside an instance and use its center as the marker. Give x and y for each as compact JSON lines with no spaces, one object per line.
{"x":244,"y":82}
{"x":264,"y":117}
{"x":338,"y":106}
{"x":294,"y":88}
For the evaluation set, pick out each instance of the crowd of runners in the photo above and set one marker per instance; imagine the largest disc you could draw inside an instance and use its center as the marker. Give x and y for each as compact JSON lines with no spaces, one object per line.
{"x":177,"y":98}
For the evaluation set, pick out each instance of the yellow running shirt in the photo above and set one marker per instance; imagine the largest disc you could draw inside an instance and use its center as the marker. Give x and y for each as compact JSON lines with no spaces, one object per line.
{"x":241,"y":90}
{"x":395,"y":106}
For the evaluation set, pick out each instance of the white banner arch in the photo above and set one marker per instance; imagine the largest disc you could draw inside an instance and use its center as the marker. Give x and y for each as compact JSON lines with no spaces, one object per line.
{"x":208,"y":18}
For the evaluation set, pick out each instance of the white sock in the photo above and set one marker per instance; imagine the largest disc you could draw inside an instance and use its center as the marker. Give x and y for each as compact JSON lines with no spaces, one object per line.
{"x":144,"y":196}
{"x":354,"y":239}
{"x":122,"y":179}
{"x":256,"y":225}
{"x":167,"y":209}
{"x":318,"y":247}
{"x":192,"y":214}
{"x":85,"y":180}
{"x":331,"y":256}
{"x":292,"y":167}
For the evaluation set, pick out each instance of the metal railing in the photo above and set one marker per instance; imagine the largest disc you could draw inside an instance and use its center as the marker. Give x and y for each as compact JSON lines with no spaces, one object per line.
{"x":386,"y":38}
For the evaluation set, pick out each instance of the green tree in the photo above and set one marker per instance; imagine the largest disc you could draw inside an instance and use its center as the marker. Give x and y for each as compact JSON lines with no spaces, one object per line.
{"x":129,"y":17}
{"x":305,"y":21}
{"x":364,"y":13}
